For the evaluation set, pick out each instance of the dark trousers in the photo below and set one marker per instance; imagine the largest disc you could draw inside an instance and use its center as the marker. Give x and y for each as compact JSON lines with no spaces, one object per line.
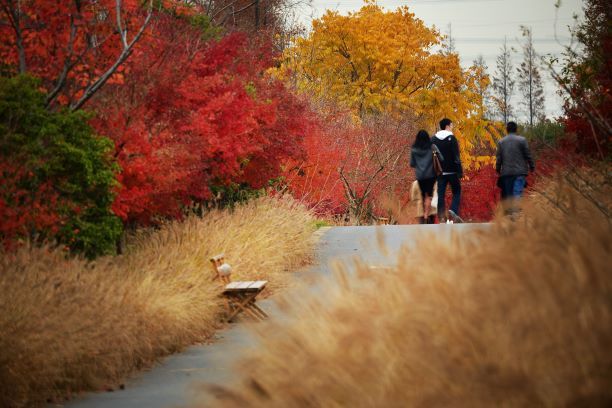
{"x":511,"y":186}
{"x":455,"y":186}
{"x":511,"y":191}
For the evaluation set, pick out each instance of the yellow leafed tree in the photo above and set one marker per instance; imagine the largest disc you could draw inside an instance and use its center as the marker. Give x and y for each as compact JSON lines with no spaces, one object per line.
{"x":376,"y":61}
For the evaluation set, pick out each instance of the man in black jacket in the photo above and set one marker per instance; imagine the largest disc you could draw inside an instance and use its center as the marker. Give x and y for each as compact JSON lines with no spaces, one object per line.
{"x":513,"y":162}
{"x":452,"y":171}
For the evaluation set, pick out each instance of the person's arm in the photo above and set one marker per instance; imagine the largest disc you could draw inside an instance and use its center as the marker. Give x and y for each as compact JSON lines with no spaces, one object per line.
{"x":498,"y":159}
{"x":457,"y":155}
{"x":527,"y":155}
{"x":412,"y":159}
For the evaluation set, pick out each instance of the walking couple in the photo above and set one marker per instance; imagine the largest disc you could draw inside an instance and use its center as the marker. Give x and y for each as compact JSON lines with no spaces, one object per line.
{"x":437,"y":160}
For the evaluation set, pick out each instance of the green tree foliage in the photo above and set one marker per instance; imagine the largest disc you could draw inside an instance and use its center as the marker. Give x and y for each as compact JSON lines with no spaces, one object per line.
{"x":546,"y":133}
{"x":58,"y":153}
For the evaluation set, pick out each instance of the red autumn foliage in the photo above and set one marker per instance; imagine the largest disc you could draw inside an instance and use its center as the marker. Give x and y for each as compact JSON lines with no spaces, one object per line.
{"x":185,"y":113}
{"x":24,"y":211}
{"x":479,"y":194}
{"x":587,"y":80}
{"x":314,"y":178}
{"x":193,"y":114}
{"x":350,"y":166}
{"x":68,"y":44}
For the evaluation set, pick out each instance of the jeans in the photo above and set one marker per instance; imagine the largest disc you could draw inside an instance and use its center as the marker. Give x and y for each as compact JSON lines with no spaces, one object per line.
{"x":518,"y":186}
{"x":512,"y":186}
{"x":512,"y":189}
{"x":455,"y":185}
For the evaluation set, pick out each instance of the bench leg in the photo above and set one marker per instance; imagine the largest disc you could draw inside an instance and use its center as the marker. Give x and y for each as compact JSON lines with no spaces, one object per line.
{"x":249,"y":310}
{"x":259,"y":311}
{"x":233,"y":312}
{"x":235,"y":308}
{"x":242,"y":303}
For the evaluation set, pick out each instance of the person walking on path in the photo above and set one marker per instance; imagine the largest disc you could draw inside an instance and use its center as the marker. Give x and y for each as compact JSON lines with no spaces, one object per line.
{"x":421,"y":159}
{"x":452,"y":171}
{"x":513,"y":162}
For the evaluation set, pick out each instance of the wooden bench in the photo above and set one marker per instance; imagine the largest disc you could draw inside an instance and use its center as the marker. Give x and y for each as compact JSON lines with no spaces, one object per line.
{"x":240,"y":295}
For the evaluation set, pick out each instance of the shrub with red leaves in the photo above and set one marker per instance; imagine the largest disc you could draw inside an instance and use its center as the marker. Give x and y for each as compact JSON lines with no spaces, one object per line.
{"x":192,"y":115}
{"x":24,"y":211}
{"x":479,"y":194}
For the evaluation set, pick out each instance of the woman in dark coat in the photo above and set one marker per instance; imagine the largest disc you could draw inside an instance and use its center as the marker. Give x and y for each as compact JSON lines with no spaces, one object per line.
{"x":421,"y":159}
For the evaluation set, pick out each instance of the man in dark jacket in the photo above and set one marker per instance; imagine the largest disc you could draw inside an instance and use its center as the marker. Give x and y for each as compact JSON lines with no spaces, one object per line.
{"x":513,"y":162}
{"x":452,"y":171}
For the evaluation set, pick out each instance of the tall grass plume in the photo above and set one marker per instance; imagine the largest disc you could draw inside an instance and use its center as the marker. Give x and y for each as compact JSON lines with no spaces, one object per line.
{"x":67,"y":325}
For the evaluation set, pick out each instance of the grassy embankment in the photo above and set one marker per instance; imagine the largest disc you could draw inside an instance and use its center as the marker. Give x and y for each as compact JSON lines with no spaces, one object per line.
{"x":516,"y":315}
{"x":67,"y":325}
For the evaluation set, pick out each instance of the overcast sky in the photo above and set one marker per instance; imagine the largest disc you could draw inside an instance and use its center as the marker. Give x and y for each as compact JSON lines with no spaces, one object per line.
{"x":479,"y":26}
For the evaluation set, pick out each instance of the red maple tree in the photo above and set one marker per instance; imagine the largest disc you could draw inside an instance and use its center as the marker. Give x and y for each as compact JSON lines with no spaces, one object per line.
{"x":192,"y":114}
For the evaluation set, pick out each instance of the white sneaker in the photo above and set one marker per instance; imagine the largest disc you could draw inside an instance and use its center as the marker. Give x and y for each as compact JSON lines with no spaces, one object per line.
{"x":454,"y":216}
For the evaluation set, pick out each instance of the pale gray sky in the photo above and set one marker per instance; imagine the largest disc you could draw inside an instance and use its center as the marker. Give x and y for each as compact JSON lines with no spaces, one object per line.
{"x":479,"y":26}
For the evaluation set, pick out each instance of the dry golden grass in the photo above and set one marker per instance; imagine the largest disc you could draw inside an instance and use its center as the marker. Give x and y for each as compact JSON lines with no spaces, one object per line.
{"x":517,"y":315}
{"x":67,"y":326}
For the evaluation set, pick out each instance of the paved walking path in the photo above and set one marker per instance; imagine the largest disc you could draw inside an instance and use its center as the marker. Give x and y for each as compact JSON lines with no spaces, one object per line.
{"x":172,"y":382}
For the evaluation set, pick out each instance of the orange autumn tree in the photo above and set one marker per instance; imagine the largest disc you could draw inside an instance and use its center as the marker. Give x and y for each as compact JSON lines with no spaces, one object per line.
{"x":375,"y":61}
{"x":370,"y":61}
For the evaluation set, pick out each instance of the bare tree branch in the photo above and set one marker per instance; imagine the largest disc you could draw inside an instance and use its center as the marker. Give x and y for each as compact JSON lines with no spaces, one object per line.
{"x":13,"y":12}
{"x":125,"y":53}
{"x":228,"y":5}
{"x":245,"y":8}
{"x":68,"y":64}
{"x":122,"y":32}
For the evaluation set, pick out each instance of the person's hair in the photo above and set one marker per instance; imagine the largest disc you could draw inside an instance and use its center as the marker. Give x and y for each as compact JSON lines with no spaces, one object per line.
{"x":444,"y":123}
{"x":422,"y":140}
{"x":511,"y":127}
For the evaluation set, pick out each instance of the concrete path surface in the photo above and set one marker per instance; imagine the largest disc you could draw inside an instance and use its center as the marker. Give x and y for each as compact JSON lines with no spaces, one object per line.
{"x":172,"y":382}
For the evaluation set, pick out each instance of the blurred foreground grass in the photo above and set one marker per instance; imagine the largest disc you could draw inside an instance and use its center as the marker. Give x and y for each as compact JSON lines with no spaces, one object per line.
{"x":519,"y":314}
